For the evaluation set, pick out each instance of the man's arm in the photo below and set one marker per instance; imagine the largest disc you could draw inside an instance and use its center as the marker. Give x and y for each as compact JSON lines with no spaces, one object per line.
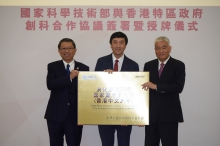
{"x":176,"y":84}
{"x":148,"y":85}
{"x":178,"y":81}
{"x":55,"y":82}
{"x":98,"y":65}
{"x":136,"y":68}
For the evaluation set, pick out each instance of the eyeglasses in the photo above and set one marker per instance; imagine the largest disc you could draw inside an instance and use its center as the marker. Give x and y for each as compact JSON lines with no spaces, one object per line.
{"x":66,"y":49}
{"x":159,"y":48}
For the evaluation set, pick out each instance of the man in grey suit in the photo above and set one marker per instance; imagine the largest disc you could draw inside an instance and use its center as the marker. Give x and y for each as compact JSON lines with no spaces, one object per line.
{"x":116,"y":61}
{"x":167,"y":78}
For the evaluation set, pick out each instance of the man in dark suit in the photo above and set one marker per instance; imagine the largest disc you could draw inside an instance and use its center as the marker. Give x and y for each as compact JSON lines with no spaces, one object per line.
{"x":116,"y":61}
{"x":61,"y":113}
{"x":167,"y":78}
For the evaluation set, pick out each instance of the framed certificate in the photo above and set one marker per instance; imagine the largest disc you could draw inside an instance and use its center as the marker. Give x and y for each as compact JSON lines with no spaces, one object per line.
{"x":113,"y":99}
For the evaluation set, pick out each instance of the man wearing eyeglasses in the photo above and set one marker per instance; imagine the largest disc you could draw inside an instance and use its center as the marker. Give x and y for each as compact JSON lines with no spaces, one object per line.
{"x":61,"y":113}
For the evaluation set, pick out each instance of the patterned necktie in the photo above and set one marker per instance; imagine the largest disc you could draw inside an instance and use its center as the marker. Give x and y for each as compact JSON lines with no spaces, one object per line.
{"x":68,"y":69}
{"x":116,"y":65}
{"x":161,"y":68}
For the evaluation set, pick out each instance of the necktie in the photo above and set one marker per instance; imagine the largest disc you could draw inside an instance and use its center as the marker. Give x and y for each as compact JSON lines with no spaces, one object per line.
{"x":116,"y":65}
{"x":68,"y":69}
{"x":161,"y":68}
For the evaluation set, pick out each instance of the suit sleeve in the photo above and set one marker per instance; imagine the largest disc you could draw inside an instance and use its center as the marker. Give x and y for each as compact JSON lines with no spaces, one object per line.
{"x":177,"y":83}
{"x":87,"y":68}
{"x":54,"y":81}
{"x":136,"y":67}
{"x":146,"y":67}
{"x":98,"y":65}
{"x":84,"y":68}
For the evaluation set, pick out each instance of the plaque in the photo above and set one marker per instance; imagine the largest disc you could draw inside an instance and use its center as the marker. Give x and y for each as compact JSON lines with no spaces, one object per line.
{"x":113,"y":99}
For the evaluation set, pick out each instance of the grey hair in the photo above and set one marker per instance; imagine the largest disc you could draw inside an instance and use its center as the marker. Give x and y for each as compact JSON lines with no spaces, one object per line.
{"x":162,"y":38}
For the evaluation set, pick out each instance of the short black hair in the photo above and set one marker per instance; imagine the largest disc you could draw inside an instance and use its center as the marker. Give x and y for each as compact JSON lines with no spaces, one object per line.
{"x":66,"y":40}
{"x":118,"y":35}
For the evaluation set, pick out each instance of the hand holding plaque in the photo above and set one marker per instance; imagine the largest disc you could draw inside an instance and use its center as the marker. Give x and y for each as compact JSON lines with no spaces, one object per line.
{"x":113,"y":99}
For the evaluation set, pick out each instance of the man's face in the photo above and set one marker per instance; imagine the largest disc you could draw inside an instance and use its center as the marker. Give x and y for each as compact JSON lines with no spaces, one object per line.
{"x":118,"y":46}
{"x":67,"y":51}
{"x":162,"y":50}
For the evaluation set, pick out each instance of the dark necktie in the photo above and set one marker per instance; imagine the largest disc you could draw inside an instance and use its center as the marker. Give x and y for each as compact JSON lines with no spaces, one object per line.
{"x":161,"y":68}
{"x":68,"y":69}
{"x":116,"y":65}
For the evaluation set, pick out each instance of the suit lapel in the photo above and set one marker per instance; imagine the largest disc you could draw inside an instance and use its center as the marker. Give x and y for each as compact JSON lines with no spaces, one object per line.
{"x":155,"y":69}
{"x":125,"y":64}
{"x":166,"y":68}
{"x":77,"y":65}
{"x":61,"y":67}
{"x":109,"y":62}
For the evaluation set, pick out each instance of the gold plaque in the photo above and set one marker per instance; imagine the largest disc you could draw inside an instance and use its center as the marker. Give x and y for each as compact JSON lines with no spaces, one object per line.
{"x":113,"y":99}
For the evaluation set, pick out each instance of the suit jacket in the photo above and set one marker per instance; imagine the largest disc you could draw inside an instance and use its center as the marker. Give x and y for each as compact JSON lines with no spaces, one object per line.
{"x":165,"y":102}
{"x":106,"y":62}
{"x":63,"y":91}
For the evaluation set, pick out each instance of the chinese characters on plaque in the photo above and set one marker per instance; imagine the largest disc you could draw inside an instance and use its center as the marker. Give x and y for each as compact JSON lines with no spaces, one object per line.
{"x":113,"y":99}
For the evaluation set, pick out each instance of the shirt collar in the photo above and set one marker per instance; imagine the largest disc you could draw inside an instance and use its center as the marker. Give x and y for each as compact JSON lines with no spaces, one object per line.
{"x":164,"y":61}
{"x":120,"y":60}
{"x":65,"y":63}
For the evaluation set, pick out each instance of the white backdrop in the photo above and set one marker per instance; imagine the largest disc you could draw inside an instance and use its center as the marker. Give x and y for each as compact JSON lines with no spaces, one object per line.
{"x":25,"y":54}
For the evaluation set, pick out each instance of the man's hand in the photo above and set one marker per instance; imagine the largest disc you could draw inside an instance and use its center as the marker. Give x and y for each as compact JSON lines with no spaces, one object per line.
{"x":74,"y":73}
{"x":109,"y":71}
{"x":148,"y":85}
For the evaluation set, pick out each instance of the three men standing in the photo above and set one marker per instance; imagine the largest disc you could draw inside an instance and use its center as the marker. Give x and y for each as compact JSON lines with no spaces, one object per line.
{"x":167,"y":78}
